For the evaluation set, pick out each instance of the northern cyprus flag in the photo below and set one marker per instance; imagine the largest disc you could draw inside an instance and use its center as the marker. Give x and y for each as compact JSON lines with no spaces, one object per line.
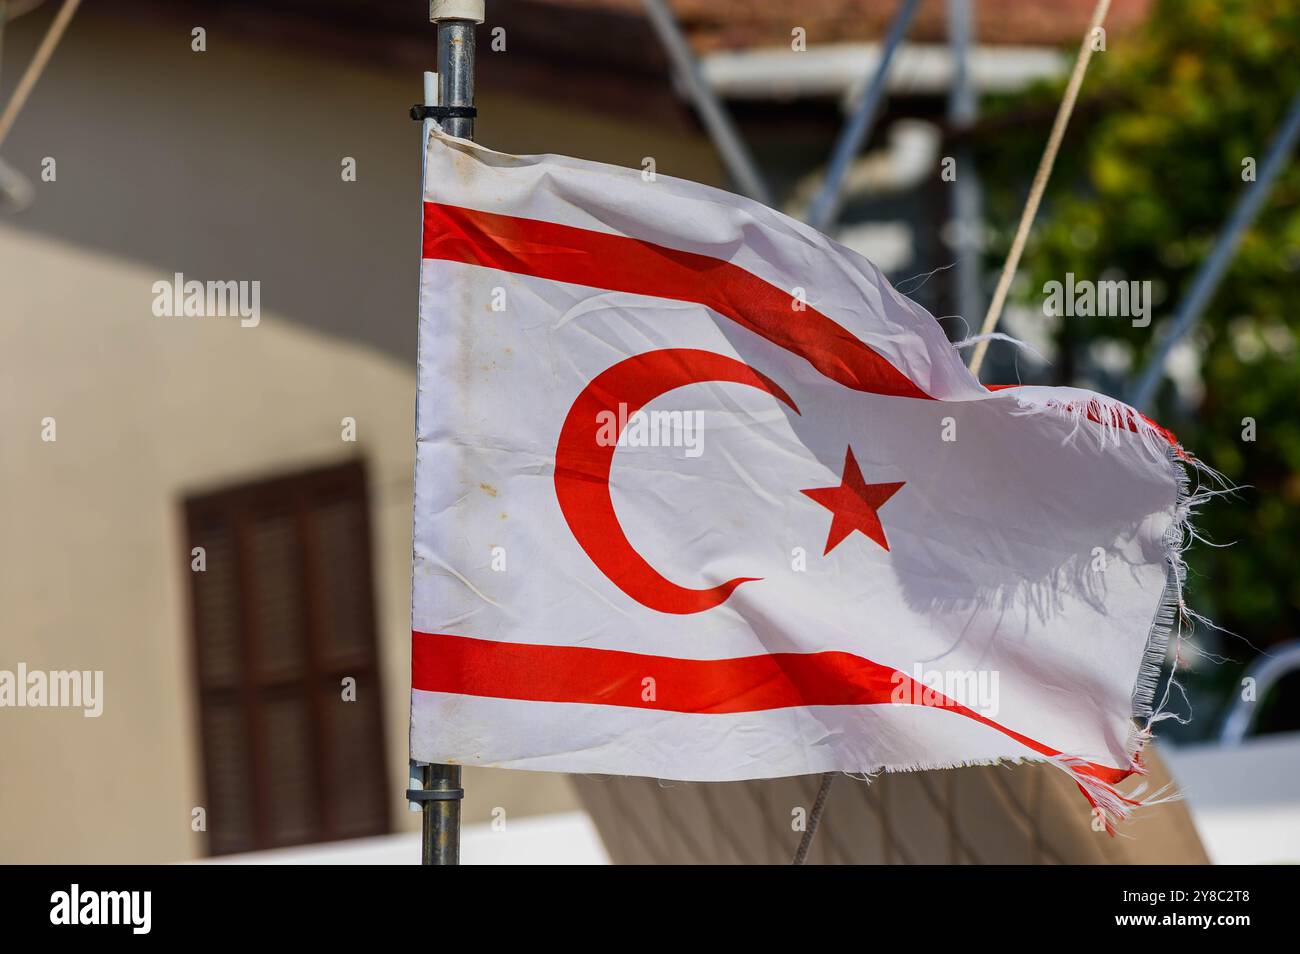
{"x":699,"y":495}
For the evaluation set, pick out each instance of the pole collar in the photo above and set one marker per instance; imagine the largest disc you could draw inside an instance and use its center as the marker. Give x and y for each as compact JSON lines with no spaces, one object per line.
{"x":472,"y":10}
{"x":434,"y":794}
{"x":419,"y":112}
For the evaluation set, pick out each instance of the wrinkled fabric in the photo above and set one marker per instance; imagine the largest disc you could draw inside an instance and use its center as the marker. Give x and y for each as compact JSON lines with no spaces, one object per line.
{"x":699,"y":495}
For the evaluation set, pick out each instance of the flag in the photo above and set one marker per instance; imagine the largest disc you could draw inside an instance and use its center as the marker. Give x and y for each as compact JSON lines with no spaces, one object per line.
{"x":699,"y":495}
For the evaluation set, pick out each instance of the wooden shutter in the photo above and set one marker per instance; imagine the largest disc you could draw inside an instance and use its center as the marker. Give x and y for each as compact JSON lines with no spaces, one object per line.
{"x":282,"y":615}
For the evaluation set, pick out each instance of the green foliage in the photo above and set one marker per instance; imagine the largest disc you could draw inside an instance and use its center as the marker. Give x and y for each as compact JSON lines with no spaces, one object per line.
{"x":1148,"y":174}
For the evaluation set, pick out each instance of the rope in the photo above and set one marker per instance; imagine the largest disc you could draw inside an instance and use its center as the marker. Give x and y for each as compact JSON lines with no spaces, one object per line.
{"x":814,"y":819}
{"x":1044,"y":173}
{"x":36,"y":66}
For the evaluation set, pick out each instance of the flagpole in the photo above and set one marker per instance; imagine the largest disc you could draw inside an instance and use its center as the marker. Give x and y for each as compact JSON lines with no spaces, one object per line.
{"x":441,"y":793}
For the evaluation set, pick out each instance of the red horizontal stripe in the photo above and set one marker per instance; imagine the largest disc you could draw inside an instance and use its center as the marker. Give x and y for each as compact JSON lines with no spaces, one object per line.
{"x":580,"y":674}
{"x":564,"y":253}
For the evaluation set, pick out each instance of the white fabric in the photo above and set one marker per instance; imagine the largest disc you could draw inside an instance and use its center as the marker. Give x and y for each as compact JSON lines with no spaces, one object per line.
{"x":1033,"y":546}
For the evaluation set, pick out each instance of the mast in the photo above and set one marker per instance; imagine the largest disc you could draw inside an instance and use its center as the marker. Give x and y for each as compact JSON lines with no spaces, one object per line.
{"x":452,"y":93}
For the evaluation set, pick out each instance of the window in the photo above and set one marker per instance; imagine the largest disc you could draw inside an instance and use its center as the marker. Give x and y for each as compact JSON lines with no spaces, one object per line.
{"x":283,"y":614}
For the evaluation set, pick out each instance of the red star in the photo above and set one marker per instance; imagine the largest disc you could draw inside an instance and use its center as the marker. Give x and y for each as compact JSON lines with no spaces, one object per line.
{"x":854,"y":504}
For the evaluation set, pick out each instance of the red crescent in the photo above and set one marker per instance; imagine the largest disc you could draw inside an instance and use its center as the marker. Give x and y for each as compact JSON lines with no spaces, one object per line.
{"x":582,"y":467}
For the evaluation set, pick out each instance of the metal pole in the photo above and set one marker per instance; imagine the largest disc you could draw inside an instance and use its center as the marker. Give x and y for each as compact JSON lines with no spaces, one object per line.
{"x":441,"y":793}
{"x":966,"y":213}
{"x":1213,"y":268}
{"x":735,"y":154}
{"x":456,"y":72}
{"x":440,"y":815}
{"x":826,"y":205}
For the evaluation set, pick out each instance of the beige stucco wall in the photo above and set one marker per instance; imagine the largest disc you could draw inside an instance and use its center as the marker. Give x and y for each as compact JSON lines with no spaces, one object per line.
{"x":146,"y":411}
{"x":212,"y":168}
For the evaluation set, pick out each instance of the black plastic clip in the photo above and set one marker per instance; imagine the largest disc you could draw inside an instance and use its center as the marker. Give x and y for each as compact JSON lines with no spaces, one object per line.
{"x":434,"y":795}
{"x":419,"y":112}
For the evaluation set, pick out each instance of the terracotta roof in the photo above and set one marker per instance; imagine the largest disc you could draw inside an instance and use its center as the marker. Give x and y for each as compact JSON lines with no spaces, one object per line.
{"x":717,"y":24}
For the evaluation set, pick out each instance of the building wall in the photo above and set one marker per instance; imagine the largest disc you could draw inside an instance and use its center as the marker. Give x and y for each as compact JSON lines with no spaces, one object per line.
{"x":223,"y":166}
{"x":148,"y":410}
